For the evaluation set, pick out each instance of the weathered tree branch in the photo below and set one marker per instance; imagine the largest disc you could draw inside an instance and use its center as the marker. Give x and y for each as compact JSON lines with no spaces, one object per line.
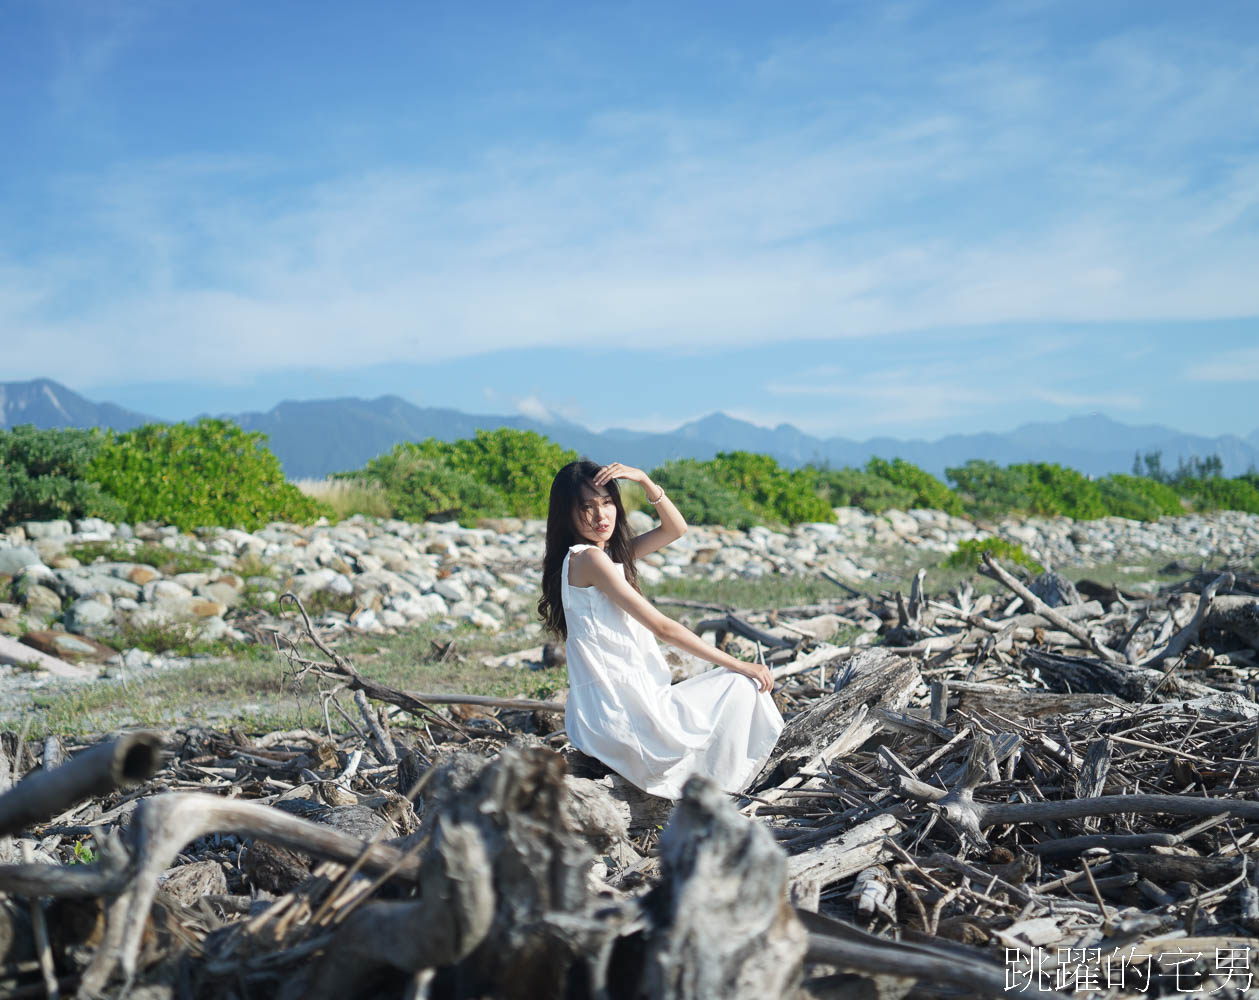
{"x":121,"y":762}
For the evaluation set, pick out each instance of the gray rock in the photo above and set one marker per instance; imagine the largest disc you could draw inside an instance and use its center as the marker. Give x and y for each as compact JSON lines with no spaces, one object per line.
{"x":418,"y":609}
{"x":40,"y":602}
{"x":166,"y":592}
{"x":392,"y":619}
{"x":452,"y":590}
{"x":212,"y":629}
{"x":94,"y":526}
{"x":87,"y":614}
{"x":221,"y":592}
{"x":16,"y":559}
{"x":191,"y":580}
{"x":481,"y":620}
{"x":47,"y":529}
{"x":83,"y":583}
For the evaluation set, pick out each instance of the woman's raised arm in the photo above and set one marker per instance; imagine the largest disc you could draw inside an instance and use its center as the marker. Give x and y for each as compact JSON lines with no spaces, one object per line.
{"x":672,"y":524}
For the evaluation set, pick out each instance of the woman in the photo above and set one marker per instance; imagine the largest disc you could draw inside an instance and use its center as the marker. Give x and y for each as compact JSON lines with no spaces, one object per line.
{"x":621,"y":708}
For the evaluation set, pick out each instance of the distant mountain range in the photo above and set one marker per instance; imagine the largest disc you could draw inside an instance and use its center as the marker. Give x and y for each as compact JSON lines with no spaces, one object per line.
{"x":316,"y":437}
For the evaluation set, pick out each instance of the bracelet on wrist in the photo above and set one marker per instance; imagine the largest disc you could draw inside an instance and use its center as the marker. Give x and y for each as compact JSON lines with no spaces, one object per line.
{"x":658,"y":499}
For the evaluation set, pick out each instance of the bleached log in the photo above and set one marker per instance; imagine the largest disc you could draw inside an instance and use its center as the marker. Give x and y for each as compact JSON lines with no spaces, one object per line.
{"x":934,"y":962}
{"x":824,"y":655}
{"x":1005,"y":700}
{"x":723,"y":927}
{"x":21,"y":655}
{"x":451,"y":918}
{"x":837,"y":859}
{"x":1080,"y":675}
{"x":871,"y":677}
{"x":163,"y":825}
{"x":1181,"y":640}
{"x":119,"y":763}
{"x":1236,"y":615}
{"x":994,"y":569}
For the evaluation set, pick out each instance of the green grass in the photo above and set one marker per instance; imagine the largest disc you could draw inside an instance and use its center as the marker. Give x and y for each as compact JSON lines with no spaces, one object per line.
{"x":164,"y":560}
{"x":251,"y":689}
{"x":768,"y":592}
{"x":176,"y":638}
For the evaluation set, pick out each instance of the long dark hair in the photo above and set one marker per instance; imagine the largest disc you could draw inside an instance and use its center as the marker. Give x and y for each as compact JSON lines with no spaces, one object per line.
{"x":561,"y":535}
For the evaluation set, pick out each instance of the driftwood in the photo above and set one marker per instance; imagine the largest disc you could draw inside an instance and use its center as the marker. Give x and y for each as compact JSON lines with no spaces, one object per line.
{"x":994,"y":569}
{"x":121,"y":762}
{"x":1236,"y":615}
{"x":873,"y":677}
{"x":968,"y":788}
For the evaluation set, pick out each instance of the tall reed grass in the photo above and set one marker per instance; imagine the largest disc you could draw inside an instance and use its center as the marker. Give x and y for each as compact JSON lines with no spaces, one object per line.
{"x":348,"y":497}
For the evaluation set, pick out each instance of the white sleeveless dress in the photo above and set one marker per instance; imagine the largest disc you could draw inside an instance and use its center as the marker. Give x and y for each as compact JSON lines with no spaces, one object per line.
{"x":623,"y":710}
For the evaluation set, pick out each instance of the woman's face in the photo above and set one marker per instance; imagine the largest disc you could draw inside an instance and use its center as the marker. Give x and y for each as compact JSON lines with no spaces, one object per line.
{"x":595,"y":515}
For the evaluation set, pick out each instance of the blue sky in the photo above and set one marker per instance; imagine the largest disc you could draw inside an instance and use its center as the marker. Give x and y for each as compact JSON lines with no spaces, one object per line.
{"x":861,"y":218}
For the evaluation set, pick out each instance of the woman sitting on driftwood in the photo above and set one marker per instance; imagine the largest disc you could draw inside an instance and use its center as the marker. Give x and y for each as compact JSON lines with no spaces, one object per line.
{"x":621,"y":706}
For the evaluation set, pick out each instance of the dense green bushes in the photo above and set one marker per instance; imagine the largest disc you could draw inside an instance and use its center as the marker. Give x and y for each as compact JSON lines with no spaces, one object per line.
{"x":193,"y":475}
{"x":44,"y":476}
{"x":926,"y":490}
{"x":741,"y":488}
{"x":703,"y":497}
{"x":495,"y":474}
{"x":214,"y":473}
{"x":1139,"y":498}
{"x":850,"y":487}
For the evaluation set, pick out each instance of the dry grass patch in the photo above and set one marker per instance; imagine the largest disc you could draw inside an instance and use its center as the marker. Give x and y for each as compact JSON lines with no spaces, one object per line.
{"x":348,"y":497}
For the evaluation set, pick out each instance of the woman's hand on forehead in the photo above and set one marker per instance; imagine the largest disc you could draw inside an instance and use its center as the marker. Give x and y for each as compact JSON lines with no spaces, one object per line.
{"x":617,"y":470}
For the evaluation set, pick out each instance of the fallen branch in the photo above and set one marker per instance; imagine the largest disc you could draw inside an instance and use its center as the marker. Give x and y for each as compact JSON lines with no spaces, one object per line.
{"x":993,"y":569}
{"x":1181,"y":640}
{"x":124,"y":761}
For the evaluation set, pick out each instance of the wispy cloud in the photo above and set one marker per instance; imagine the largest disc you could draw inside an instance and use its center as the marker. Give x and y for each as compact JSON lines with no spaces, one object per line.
{"x":1114,"y":400}
{"x":90,"y":38}
{"x":986,"y":185}
{"x":533,"y":408}
{"x":1232,"y":366}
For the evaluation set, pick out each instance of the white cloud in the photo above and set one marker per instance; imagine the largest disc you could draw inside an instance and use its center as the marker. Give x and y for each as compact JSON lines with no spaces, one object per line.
{"x":1233,"y":366}
{"x":1089,"y":401}
{"x":533,"y":408}
{"x":1001,"y":203}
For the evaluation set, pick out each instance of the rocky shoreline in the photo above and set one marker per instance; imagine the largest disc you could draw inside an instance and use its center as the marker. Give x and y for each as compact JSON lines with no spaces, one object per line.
{"x":65,"y":586}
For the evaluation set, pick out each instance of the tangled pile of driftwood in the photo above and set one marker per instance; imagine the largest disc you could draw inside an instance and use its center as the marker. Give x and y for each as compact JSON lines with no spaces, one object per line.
{"x":1047,"y":792}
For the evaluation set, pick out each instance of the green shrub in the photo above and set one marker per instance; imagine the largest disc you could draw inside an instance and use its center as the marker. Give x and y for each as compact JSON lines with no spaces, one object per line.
{"x":926,"y":490}
{"x":988,"y":490}
{"x":420,"y":486}
{"x":1139,"y":498}
{"x":850,"y":487}
{"x":702,"y":497}
{"x":44,"y":476}
{"x":518,"y":464}
{"x":497,"y":473}
{"x":1222,"y":494}
{"x":776,"y":493}
{"x":1056,"y":490}
{"x":197,"y":475}
{"x":969,"y":554}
